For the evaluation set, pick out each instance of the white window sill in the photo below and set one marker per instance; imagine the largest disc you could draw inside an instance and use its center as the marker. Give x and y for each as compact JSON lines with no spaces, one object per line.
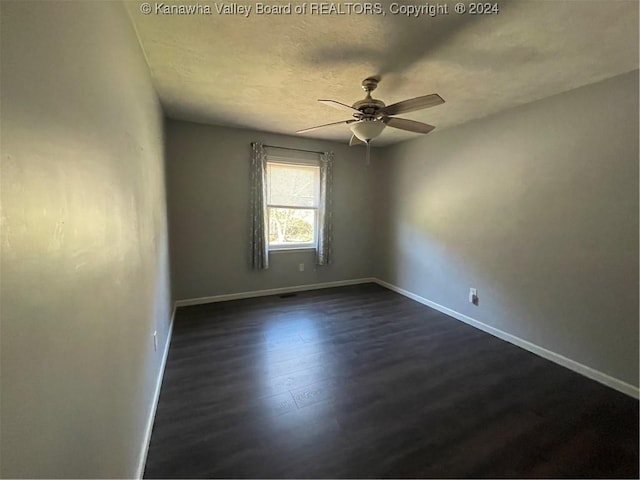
{"x":292,"y":249}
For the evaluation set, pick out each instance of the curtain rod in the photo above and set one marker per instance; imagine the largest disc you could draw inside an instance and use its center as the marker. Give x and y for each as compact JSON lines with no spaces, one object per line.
{"x":294,"y":149}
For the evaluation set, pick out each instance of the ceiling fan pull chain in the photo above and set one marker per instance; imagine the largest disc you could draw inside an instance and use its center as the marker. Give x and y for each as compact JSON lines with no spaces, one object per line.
{"x":368,"y":153}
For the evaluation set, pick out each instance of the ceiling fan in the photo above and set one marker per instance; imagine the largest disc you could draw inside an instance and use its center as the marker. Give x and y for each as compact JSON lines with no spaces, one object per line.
{"x":371,"y":116}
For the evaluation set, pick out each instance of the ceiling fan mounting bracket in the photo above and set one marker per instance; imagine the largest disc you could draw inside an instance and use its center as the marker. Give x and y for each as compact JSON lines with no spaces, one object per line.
{"x":370,"y":84}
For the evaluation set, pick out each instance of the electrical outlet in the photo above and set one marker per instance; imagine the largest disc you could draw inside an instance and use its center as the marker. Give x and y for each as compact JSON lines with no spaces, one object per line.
{"x":301,"y":267}
{"x":155,"y":341}
{"x":473,"y":296}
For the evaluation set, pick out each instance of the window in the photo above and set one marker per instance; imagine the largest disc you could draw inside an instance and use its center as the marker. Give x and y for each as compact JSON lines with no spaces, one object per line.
{"x":292,"y":204}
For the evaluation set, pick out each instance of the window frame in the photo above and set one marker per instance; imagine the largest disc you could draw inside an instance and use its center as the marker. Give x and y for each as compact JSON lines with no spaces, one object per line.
{"x":298,"y":162}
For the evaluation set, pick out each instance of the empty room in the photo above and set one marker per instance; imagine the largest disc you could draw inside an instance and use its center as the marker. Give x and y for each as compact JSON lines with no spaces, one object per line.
{"x":319,"y":239}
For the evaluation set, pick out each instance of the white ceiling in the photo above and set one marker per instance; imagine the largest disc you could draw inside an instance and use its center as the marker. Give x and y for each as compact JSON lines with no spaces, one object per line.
{"x":266,"y":72}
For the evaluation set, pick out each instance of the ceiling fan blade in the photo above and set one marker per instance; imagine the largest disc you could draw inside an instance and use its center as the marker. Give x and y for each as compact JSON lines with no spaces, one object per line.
{"x":354,"y":141}
{"x":409,"y":125}
{"x":340,"y":106}
{"x":305,"y":130}
{"x":413,"y":104}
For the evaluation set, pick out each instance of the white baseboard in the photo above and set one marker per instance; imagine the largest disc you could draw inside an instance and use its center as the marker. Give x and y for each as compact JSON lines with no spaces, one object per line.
{"x":144,"y":450}
{"x":271,"y":291}
{"x":589,"y":372}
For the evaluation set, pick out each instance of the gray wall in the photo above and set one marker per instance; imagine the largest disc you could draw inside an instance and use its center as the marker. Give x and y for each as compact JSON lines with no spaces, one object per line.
{"x":208,"y":189}
{"x":84,"y":241}
{"x":537,"y":207}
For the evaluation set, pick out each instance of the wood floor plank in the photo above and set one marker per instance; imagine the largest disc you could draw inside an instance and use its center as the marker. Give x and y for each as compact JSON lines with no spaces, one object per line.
{"x":360,"y":382}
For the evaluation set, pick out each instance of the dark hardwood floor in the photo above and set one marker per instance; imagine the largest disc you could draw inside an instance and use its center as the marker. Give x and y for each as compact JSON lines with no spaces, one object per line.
{"x":360,"y":382}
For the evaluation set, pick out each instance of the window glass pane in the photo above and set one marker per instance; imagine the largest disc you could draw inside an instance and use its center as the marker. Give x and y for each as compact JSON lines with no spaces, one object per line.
{"x":291,"y":225}
{"x":292,"y":185}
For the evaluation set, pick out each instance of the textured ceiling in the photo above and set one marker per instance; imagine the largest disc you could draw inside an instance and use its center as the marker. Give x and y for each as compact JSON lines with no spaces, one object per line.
{"x":265,"y":72}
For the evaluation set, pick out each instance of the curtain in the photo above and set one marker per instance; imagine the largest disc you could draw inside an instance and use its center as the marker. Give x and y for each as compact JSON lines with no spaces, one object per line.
{"x":259,"y":227}
{"x":325,"y":233}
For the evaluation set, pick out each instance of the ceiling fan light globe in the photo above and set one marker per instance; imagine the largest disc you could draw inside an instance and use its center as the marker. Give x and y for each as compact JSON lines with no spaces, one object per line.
{"x":367,"y":130}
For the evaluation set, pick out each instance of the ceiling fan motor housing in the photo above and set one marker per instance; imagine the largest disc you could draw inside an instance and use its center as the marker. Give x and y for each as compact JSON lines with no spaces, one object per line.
{"x":369,"y":106}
